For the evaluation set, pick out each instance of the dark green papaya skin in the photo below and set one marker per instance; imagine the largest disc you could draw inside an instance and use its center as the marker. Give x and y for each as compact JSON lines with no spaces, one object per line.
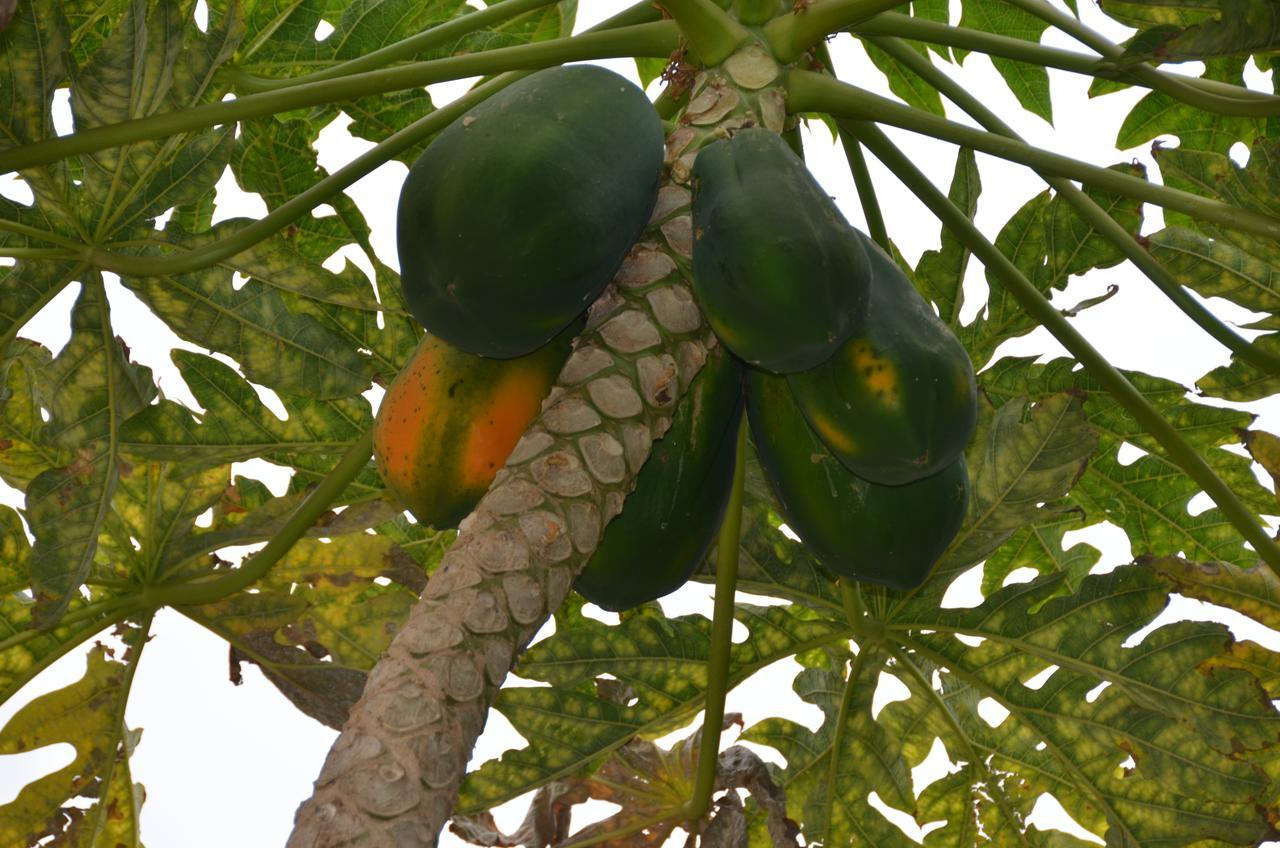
{"x":774,"y":269}
{"x":891,"y":535}
{"x":516,"y":217}
{"x":898,"y":401}
{"x":669,"y":522}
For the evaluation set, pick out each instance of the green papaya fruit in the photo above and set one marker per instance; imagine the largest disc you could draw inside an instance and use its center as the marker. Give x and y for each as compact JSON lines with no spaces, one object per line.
{"x":774,"y":269}
{"x":515,"y":218}
{"x":898,"y":400}
{"x":891,"y":535}
{"x":670,"y":520}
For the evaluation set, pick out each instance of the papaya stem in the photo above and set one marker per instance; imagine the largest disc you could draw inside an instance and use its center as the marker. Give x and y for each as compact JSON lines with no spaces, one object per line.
{"x":964,"y":38}
{"x":866,"y":188}
{"x":721,"y":649}
{"x":354,"y":461}
{"x":756,"y":12}
{"x":436,"y":36}
{"x":1039,"y":308}
{"x":712,"y":34}
{"x":1089,"y":211}
{"x":652,"y":39}
{"x":813,"y":92}
{"x":858,"y":168}
{"x":118,"y":608}
{"x":37,"y":233}
{"x":837,"y":738}
{"x":37,"y":253}
{"x":790,"y":35}
{"x":1242,"y":107}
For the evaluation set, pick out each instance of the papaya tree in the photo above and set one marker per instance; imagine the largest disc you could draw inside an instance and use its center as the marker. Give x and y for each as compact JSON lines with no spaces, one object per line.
{"x":642,"y":285}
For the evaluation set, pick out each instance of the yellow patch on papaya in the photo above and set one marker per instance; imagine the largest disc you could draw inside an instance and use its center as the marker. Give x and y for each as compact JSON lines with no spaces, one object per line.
{"x":497,"y":424}
{"x":876,"y":373}
{"x":836,"y":439}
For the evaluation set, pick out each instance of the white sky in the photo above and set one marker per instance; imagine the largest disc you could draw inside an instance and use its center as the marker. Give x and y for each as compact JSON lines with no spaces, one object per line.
{"x":226,"y":765}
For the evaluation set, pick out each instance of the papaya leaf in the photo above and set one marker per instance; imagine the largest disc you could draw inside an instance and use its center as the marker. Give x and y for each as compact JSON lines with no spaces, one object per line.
{"x":1029,"y":83}
{"x":1023,"y":457}
{"x":154,"y":513}
{"x":92,"y":389}
{"x":1252,"y":591}
{"x":236,"y":425}
{"x":275,"y":158}
{"x":647,"y":781}
{"x":1264,"y":447}
{"x":32,"y":65}
{"x":1049,"y":243}
{"x":1159,"y":114}
{"x":135,"y":73}
{"x":831,"y":772}
{"x":90,"y":23}
{"x":1156,"y":756}
{"x":1145,"y":14}
{"x":274,"y":345}
{"x":23,"y":452}
{"x":940,"y":273}
{"x":24,"y":650}
{"x":1147,"y":498}
{"x":570,"y":727}
{"x":320,"y":618}
{"x":1244,"y":27}
{"x":1241,"y":270}
{"x":89,"y":715}
{"x":1040,"y":546}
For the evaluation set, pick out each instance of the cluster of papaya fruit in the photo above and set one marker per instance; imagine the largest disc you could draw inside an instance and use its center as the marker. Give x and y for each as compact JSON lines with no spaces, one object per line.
{"x":861,"y":401}
{"x":502,"y":248}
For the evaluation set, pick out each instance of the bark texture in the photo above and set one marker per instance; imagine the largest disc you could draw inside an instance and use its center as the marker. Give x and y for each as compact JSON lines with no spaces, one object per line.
{"x":392,"y":777}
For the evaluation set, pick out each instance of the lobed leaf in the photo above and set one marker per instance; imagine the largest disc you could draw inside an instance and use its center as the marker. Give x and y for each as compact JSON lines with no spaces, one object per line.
{"x":662,"y":661}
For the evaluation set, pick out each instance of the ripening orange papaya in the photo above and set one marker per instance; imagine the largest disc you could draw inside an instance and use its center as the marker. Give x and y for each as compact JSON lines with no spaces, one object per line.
{"x":450,"y":419}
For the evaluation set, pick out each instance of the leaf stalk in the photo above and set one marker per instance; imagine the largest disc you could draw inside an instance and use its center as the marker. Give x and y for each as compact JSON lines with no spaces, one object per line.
{"x":791,"y":35}
{"x":652,"y":39}
{"x":354,"y":461}
{"x":812,"y":92}
{"x":1169,"y":84}
{"x":895,"y":24}
{"x":1089,"y":211}
{"x":429,"y":39}
{"x":727,"y":546}
{"x":712,"y":34}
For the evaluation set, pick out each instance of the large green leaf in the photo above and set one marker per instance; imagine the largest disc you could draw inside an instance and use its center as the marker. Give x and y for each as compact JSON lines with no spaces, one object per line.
{"x":831,"y":772}
{"x":236,"y":425}
{"x":1169,"y":707}
{"x":89,"y":715}
{"x":1148,"y":498}
{"x":572,"y":724}
{"x":1161,"y":114}
{"x":1243,"y":27}
{"x":940,"y":273}
{"x":1049,"y":243}
{"x":1029,"y":83}
{"x":274,"y":345}
{"x":92,"y":388}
